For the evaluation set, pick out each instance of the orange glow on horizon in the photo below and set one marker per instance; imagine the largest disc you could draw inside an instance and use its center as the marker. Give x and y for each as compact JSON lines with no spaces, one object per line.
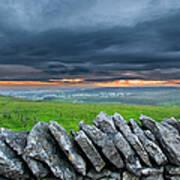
{"x":77,"y":82}
{"x":138,"y":82}
{"x":26,"y":83}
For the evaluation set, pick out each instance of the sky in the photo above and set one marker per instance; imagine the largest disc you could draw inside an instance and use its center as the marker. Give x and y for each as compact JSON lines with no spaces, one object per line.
{"x":100,"y":42}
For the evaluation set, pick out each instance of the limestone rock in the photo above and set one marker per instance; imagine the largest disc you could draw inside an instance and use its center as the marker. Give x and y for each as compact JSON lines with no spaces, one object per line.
{"x":172,"y":177}
{"x":39,"y":169}
{"x":172,"y":170}
{"x":67,"y":145}
{"x":133,"y":164}
{"x":105,"y":174}
{"x":172,"y":121}
{"x":98,"y":175}
{"x":152,"y":171}
{"x":42,"y":146}
{"x":150,"y":136}
{"x":128,"y":176}
{"x":11,"y":166}
{"x":49,"y":178}
{"x":170,"y":128}
{"x":89,"y":150}
{"x":116,"y":175}
{"x":153,"y":150}
{"x":104,"y":142}
{"x":153,"y":177}
{"x":18,"y":141}
{"x":133,"y":140}
{"x":167,"y":137}
{"x":106,"y":124}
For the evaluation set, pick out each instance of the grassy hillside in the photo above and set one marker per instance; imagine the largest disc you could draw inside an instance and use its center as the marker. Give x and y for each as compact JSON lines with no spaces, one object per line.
{"x":15,"y":112}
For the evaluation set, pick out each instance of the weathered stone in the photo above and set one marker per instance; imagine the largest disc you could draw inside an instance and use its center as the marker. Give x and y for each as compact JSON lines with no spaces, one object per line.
{"x":167,"y":137}
{"x":172,"y":170}
{"x":18,"y":141}
{"x":42,"y":146}
{"x":11,"y":166}
{"x":128,"y":176}
{"x":39,"y":169}
{"x":89,"y":150}
{"x":86,"y":178}
{"x":153,"y":150}
{"x":172,"y":177}
{"x":133,"y":164}
{"x":49,"y":178}
{"x":107,"y":179}
{"x":170,"y":128}
{"x":3,"y":178}
{"x":133,"y":140}
{"x":68,"y":146}
{"x":172,"y":121}
{"x":105,"y":174}
{"x":104,"y":143}
{"x":116,"y":175}
{"x":152,"y":171}
{"x":150,"y":136}
{"x":153,"y":177}
{"x":106,"y":124}
{"x":97,"y":175}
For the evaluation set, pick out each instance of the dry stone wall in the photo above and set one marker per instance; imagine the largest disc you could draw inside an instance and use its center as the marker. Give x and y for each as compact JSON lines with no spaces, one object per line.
{"x":111,"y":149}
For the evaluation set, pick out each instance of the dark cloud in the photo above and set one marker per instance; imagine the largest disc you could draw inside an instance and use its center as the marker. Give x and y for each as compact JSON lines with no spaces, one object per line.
{"x":91,"y":39}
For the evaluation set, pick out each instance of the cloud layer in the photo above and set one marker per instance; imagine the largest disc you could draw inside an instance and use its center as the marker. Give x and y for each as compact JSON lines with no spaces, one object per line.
{"x":96,"y":40}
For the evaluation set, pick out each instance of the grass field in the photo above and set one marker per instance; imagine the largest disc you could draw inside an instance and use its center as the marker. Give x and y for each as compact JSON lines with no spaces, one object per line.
{"x":14,"y":113}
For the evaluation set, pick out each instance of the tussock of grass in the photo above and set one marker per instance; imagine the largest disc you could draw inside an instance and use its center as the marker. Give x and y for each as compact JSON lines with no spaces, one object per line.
{"x":13,"y":112}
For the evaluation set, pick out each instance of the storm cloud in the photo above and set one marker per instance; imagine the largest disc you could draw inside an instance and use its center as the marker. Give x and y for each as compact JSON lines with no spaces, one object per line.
{"x":100,"y":39}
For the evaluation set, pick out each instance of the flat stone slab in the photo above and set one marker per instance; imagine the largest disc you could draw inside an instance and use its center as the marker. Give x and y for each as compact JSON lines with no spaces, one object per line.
{"x":89,"y":150}
{"x":173,"y":122}
{"x":11,"y":166}
{"x":132,"y":162}
{"x":68,"y":146}
{"x":133,"y":140}
{"x":105,"y":174}
{"x":172,"y":177}
{"x":104,"y":143}
{"x":154,"y":177}
{"x":152,"y":171}
{"x":42,"y":146}
{"x":128,"y":176}
{"x":150,"y":136}
{"x":172,"y":170}
{"x":106,"y":124}
{"x":18,"y":142}
{"x":152,"y":148}
{"x":167,"y":136}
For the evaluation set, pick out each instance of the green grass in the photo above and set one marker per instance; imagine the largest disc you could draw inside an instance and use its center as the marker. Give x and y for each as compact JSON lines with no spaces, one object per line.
{"x":68,"y":115}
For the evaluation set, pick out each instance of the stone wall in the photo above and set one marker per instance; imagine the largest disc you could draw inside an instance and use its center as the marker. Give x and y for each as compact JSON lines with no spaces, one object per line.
{"x":111,"y":149}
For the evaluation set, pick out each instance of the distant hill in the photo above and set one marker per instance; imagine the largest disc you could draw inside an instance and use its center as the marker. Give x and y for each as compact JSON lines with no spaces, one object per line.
{"x":156,"y":96}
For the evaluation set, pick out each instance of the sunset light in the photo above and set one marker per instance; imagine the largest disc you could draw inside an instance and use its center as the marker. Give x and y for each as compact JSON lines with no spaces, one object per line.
{"x":25,"y":83}
{"x":83,"y":82}
{"x":138,"y":82}
{"x":68,"y":80}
